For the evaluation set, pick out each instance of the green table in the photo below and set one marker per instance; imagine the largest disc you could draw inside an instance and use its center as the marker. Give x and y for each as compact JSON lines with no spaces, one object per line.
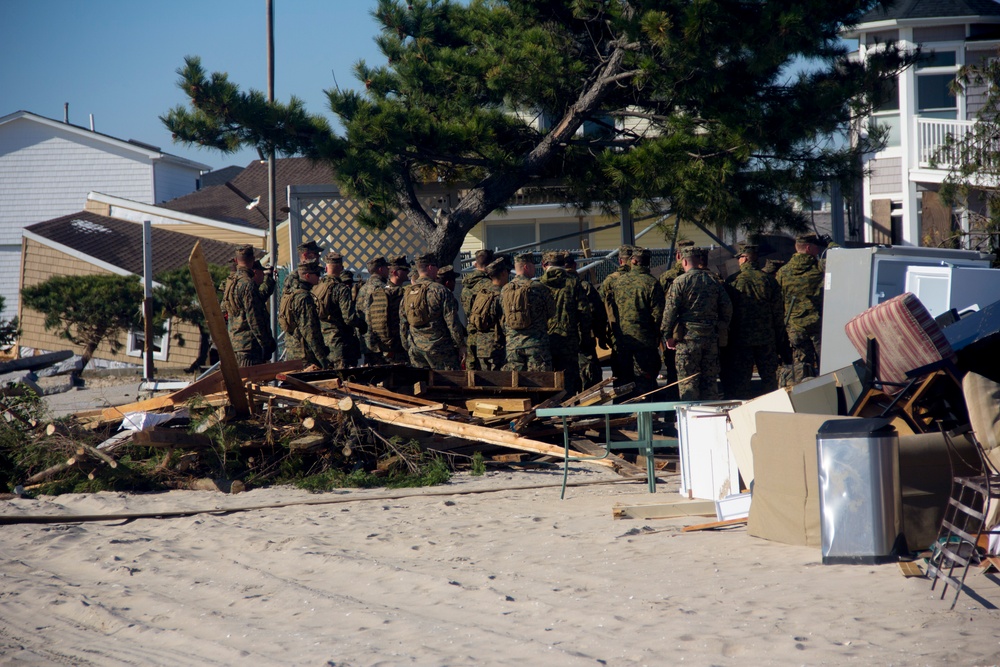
{"x":644,"y":426}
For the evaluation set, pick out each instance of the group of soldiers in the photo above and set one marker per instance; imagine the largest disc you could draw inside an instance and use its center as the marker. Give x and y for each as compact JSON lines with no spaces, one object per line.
{"x":692,"y":321}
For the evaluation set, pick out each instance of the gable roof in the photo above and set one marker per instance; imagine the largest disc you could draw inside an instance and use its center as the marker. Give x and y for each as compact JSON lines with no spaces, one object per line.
{"x":927,"y":9}
{"x":146,"y":150}
{"x":117,"y":244}
{"x":228,"y":202}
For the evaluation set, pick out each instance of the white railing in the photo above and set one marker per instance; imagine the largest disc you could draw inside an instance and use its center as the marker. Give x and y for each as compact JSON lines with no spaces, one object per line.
{"x":932,"y":134}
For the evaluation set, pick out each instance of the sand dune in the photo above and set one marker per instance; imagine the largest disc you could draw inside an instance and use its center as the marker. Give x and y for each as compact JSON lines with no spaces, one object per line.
{"x":502,"y":578}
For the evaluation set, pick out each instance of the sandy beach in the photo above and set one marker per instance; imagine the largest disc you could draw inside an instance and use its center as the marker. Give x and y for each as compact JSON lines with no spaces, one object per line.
{"x":470,"y":573}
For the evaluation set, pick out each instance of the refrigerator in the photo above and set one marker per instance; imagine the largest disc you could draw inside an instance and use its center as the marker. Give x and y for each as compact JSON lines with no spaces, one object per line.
{"x":858,"y":278}
{"x":941,"y":288}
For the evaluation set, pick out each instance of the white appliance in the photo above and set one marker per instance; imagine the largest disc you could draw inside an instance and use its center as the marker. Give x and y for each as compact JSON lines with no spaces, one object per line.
{"x":941,"y":288}
{"x":708,"y":467}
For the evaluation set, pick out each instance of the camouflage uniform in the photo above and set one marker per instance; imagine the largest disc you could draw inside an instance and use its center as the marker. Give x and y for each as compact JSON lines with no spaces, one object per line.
{"x":639,"y":299}
{"x":306,"y":340}
{"x":472,"y":282}
{"x":618,"y":368}
{"x":801,"y":282}
{"x":351,"y":343}
{"x":340,"y":319}
{"x":754,"y":332}
{"x":249,"y":323}
{"x":667,"y":279}
{"x":590,"y":367}
{"x":489,"y":344}
{"x":528,"y":349}
{"x":434,"y":345}
{"x":566,"y":326}
{"x":699,"y":306}
{"x":373,"y":357}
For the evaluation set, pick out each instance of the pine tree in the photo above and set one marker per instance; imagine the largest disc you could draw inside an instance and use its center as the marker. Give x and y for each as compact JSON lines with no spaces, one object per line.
{"x":175,"y":297}
{"x":681,"y":104}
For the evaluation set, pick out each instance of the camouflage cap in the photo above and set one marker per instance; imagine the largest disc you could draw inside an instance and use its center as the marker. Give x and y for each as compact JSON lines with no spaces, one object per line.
{"x":245,"y":252}
{"x":400,"y":262}
{"x":625,"y":251}
{"x":309,"y":268}
{"x":425,"y":260}
{"x":333,"y":258}
{"x":309,"y":246}
{"x":525,"y":258}
{"x":642,"y":256}
{"x":347,"y":276}
{"x":747,"y":249}
{"x":807,"y":238}
{"x":554,"y":258}
{"x":683,"y":243}
{"x":376,"y":263}
{"x":497,"y":267}
{"x":693,"y":252}
{"x":447,"y":272}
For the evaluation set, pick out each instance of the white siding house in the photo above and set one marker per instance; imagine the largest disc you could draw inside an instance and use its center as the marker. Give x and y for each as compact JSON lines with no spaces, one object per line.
{"x":48,"y":167}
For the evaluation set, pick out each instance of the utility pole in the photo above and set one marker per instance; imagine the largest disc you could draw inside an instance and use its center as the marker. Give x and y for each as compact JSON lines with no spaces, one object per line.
{"x":271,"y":186}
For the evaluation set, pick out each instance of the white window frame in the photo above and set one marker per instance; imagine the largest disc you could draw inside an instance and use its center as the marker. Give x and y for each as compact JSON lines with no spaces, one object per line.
{"x":953,"y":47}
{"x":134,"y":345}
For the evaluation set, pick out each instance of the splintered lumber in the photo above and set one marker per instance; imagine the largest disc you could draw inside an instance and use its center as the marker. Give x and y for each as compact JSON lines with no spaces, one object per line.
{"x":677,"y":508}
{"x":395,"y":398}
{"x":505,"y":404}
{"x":587,"y":393}
{"x":437,"y":425}
{"x":49,"y":472}
{"x":713,"y":525}
{"x":172,"y":438}
{"x":491,"y":381}
{"x":213,"y":383}
{"x":526,"y":419}
{"x":590,"y":447}
{"x":309,"y":443}
{"x":148,"y":405}
{"x":217,"y":327}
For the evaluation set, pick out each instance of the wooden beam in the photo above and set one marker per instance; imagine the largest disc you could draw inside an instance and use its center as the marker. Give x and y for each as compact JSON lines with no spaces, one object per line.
{"x":217,"y":328}
{"x":506,"y":404}
{"x":713,"y":525}
{"x":677,"y":508}
{"x":173,"y":438}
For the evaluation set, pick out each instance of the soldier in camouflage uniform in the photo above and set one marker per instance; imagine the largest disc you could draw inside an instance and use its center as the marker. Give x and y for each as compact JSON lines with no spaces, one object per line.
{"x":621,"y":370}
{"x":378,"y":273}
{"x":667,"y":279}
{"x":801,"y":281}
{"x":338,"y":316}
{"x":439,"y":342}
{"x":771,"y":266}
{"x":489,"y":339}
{"x":571,"y":321}
{"x":755,"y":330}
{"x":527,"y":346}
{"x":695,"y":324}
{"x":303,"y":335}
{"x":590,"y":368}
{"x":471,"y":282}
{"x":639,"y":299}
{"x":264,"y":277}
{"x":249,"y":325}
{"x":309,"y":252}
{"x":399,"y":278}
{"x":352,"y":342}
{"x":448,"y":277}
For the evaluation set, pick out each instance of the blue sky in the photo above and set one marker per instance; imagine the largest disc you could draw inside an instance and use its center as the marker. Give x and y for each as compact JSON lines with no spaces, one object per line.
{"x":118,"y":59}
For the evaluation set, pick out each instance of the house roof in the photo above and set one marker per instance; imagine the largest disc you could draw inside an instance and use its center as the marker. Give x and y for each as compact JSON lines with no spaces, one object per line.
{"x":903,"y":10}
{"x":220,"y":176}
{"x":151,"y":152}
{"x":118,"y":243}
{"x":228,"y":202}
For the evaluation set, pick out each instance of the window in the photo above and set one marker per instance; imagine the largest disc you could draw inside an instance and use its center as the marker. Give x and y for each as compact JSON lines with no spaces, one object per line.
{"x":886,"y":114}
{"x":547,"y":230}
{"x":935,"y":73}
{"x":503,"y":235}
{"x":137,"y":342}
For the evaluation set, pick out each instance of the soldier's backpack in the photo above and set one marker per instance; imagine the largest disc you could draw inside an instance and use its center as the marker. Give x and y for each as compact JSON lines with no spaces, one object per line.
{"x":516,"y":305}
{"x":320,"y":293}
{"x":481,"y":315}
{"x":285,"y":319}
{"x":378,"y":316}
{"x":228,"y":295}
{"x":415,"y":306}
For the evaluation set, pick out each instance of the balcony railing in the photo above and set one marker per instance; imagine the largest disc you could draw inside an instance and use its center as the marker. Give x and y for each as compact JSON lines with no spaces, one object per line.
{"x":932,"y":134}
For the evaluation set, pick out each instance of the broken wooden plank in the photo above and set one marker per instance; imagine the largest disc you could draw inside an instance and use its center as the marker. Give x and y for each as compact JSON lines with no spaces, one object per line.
{"x":505,"y":404}
{"x":590,"y":447}
{"x":309,"y":443}
{"x":525,"y":420}
{"x":491,"y":381}
{"x":213,"y":383}
{"x":669,"y":510}
{"x":713,"y":525}
{"x":209,"y":300}
{"x":910,"y":568}
{"x":173,"y":438}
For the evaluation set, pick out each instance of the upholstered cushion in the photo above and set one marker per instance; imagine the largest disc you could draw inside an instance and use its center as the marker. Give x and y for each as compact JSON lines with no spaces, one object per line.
{"x":982,"y":398}
{"x":907,"y":335}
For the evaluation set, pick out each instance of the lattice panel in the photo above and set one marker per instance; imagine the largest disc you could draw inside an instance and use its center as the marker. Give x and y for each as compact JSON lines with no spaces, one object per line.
{"x":329,"y":219}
